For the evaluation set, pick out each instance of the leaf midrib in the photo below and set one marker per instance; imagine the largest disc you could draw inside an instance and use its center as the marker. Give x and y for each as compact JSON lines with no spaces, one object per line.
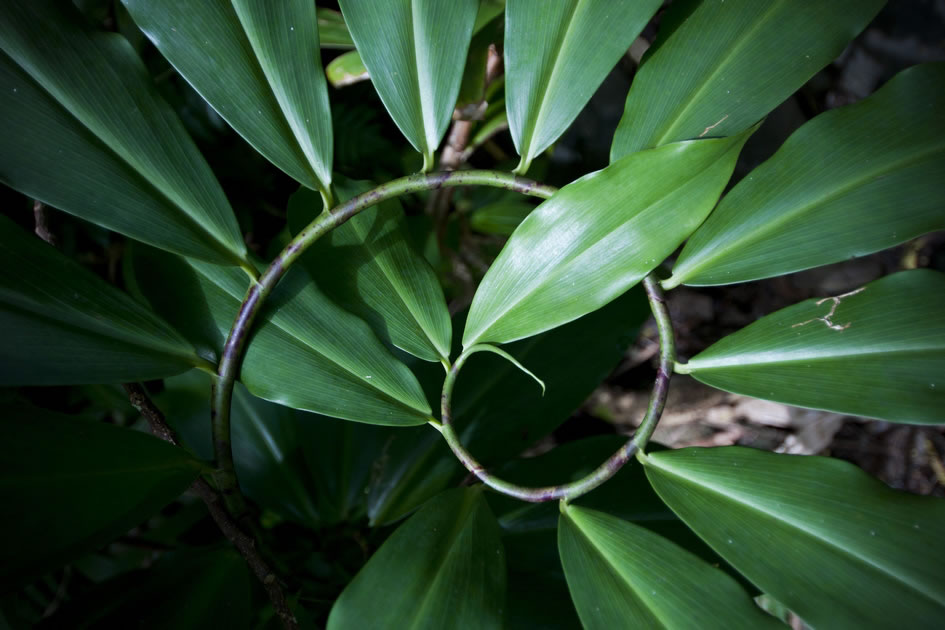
{"x":745,"y":362}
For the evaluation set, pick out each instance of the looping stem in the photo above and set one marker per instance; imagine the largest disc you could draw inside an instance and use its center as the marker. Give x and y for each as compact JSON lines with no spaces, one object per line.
{"x":228,"y":368}
{"x":569,"y":491}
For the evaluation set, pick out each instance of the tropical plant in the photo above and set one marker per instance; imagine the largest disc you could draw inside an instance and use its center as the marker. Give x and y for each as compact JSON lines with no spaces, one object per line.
{"x":324,"y":356}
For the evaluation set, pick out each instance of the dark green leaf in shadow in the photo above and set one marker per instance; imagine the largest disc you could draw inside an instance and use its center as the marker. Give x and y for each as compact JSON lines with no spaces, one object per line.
{"x":368,"y":266}
{"x":620,"y":574}
{"x":93,"y":138}
{"x":444,"y":567}
{"x":719,"y":66}
{"x":878,"y":352}
{"x":185,"y":590}
{"x":415,"y":51}
{"x":501,"y":217}
{"x":310,"y":469}
{"x":63,"y":325}
{"x":849,"y":552}
{"x":332,"y":30}
{"x":597,"y":237}
{"x":499,"y":411}
{"x":259,"y":66}
{"x":305,"y":352}
{"x":850,"y":182}
{"x":556,"y":56}
{"x":69,"y":485}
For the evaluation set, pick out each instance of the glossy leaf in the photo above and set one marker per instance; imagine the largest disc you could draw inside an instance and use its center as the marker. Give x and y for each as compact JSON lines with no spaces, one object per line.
{"x":417,"y":77}
{"x":878,"y":352}
{"x":59,"y":501}
{"x":719,"y":66}
{"x":332,"y":30}
{"x":619,"y":575}
{"x":556,"y":56}
{"x":259,"y":66}
{"x":501,"y":217}
{"x":368,"y":267}
{"x":305,"y":352}
{"x":346,"y":69}
{"x":93,"y":138}
{"x":444,"y":567}
{"x":185,"y":590}
{"x":63,"y":325}
{"x":851,"y":553}
{"x":850,"y":182}
{"x":597,"y":237}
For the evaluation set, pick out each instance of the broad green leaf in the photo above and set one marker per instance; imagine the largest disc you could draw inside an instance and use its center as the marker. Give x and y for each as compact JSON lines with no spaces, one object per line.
{"x":444,"y":567}
{"x":305,"y":352}
{"x":367,"y":266}
{"x":63,"y":325}
{"x":307,"y":468}
{"x":332,"y":30}
{"x":878,"y":352}
{"x":852,"y":181}
{"x":346,"y":69}
{"x":415,"y":51}
{"x":487,"y":32}
{"x":69,"y":485}
{"x":259,"y":66}
{"x":719,"y":66}
{"x":597,"y":237}
{"x":621,"y":575}
{"x":556,"y":56}
{"x":834,"y":545}
{"x":93,"y":138}
{"x":499,"y":411}
{"x":500,"y":217}
{"x":188,"y":589}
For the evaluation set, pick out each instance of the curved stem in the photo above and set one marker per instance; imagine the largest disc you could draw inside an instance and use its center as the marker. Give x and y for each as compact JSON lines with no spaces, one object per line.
{"x":258,"y":292}
{"x":609,"y":468}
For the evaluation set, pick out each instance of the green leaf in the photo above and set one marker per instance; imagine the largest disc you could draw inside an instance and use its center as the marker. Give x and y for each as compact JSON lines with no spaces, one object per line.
{"x":499,"y":411}
{"x":70,"y":485}
{"x":332,"y":30}
{"x":878,"y":352}
{"x":487,"y":32}
{"x":597,"y":237}
{"x":367,"y":266}
{"x":185,"y":590}
{"x":94,"y":139}
{"x":308,"y":468}
{"x":834,"y":545}
{"x":444,"y":567}
{"x":556,"y":55}
{"x":415,"y":51}
{"x":63,"y":325}
{"x":346,"y":69}
{"x":719,"y":66}
{"x":259,"y":66}
{"x":850,"y":182}
{"x":500,"y":217}
{"x":621,"y":575}
{"x":305,"y":352}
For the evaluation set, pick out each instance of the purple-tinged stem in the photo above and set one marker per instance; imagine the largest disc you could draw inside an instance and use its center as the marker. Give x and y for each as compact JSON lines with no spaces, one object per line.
{"x":235,"y":344}
{"x":570,"y":491}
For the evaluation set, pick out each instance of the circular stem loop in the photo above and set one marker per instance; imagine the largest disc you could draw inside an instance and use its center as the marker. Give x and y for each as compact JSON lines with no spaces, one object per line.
{"x":615,"y":462}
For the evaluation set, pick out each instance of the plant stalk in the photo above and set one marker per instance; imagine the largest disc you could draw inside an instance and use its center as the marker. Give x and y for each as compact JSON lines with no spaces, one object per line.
{"x":228,"y":369}
{"x":570,"y":491}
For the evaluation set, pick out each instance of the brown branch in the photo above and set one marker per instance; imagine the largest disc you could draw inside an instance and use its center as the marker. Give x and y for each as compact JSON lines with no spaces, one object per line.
{"x":244,"y":543}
